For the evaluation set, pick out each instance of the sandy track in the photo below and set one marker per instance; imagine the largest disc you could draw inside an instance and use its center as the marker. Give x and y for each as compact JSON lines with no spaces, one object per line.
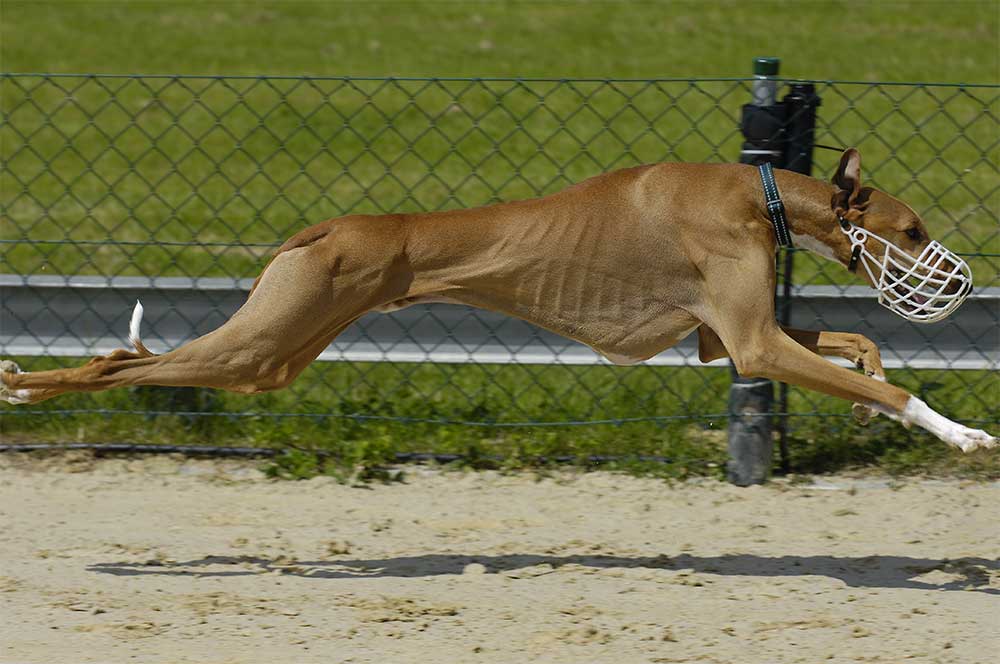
{"x":165,"y":560}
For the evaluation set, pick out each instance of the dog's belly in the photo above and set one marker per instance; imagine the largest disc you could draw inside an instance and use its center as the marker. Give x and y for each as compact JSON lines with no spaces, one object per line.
{"x":625,"y":340}
{"x":659,"y":335}
{"x":390,"y":307}
{"x":620,"y":346}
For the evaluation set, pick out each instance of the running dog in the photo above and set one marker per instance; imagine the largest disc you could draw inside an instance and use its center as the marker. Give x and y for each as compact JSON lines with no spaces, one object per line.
{"x":628,"y":262}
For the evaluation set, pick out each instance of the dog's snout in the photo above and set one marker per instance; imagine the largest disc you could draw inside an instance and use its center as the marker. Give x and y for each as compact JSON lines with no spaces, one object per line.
{"x":957,"y":287}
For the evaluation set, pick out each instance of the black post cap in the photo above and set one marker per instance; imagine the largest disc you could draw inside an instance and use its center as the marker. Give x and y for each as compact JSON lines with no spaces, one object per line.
{"x":766,"y":66}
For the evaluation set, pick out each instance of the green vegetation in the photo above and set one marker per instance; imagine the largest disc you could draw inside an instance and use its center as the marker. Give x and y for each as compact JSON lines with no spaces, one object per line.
{"x":159,"y":175}
{"x":895,"y":41}
{"x":361,"y":414}
{"x":203,"y":176}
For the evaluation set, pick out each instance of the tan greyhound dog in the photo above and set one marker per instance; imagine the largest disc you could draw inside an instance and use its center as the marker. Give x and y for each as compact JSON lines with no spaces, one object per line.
{"x":628,"y":262}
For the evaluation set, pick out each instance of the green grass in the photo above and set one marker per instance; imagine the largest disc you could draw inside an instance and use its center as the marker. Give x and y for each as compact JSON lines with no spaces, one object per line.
{"x":899,"y":41}
{"x":158,"y":175}
{"x":420,"y":408}
{"x":164,"y":167}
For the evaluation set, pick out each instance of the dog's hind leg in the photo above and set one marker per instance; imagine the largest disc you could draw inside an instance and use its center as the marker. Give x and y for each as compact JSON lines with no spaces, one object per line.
{"x":303,"y":300}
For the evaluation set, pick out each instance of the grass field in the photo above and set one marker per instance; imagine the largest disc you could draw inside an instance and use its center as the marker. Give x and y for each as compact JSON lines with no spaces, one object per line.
{"x":364,"y":413}
{"x":183,"y":174}
{"x":897,"y":41}
{"x":157,"y":176}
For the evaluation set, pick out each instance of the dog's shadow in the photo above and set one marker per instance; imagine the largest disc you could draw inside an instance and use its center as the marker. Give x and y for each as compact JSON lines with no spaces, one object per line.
{"x":969,"y":574}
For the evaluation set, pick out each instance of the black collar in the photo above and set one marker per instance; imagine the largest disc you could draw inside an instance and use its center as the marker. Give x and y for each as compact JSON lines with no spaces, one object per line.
{"x":775,"y":208}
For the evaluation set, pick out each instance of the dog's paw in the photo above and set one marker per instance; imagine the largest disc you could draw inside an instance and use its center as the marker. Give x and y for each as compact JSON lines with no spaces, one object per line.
{"x":967,"y":439}
{"x":7,"y":394}
{"x":863,"y":414}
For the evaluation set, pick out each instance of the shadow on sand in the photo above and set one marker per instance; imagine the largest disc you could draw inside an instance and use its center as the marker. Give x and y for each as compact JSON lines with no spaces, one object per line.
{"x":968,"y":574}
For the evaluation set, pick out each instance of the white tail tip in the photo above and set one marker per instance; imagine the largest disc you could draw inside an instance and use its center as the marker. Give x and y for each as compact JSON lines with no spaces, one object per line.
{"x":133,"y":330}
{"x":133,"y":326}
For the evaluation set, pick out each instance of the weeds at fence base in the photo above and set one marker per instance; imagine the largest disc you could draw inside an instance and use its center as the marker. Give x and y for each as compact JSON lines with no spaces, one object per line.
{"x":374,"y":451}
{"x":355,"y":432}
{"x":826,"y":447}
{"x":304,"y":464}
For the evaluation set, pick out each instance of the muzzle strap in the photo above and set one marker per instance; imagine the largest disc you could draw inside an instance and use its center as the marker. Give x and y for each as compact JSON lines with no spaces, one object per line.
{"x":775,"y":208}
{"x":845,"y":226}
{"x":852,"y":266}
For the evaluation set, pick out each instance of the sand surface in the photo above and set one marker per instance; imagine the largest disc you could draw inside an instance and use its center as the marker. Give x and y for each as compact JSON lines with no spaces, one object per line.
{"x":159,"y":560}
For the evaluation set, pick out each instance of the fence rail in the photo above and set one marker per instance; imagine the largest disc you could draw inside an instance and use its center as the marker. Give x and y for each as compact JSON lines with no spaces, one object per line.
{"x":112,"y":186}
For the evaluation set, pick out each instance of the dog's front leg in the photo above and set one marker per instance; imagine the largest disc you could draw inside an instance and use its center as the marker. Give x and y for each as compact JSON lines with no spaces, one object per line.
{"x":778,"y":357}
{"x":743,"y":319}
{"x":857,"y":349}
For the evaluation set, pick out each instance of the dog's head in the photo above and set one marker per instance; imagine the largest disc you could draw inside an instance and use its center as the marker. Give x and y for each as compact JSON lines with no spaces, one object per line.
{"x":916,"y":277}
{"x":877,"y":212}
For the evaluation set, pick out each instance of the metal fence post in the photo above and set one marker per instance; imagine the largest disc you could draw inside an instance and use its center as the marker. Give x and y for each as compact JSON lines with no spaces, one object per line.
{"x":800,"y":107}
{"x":750,"y":400}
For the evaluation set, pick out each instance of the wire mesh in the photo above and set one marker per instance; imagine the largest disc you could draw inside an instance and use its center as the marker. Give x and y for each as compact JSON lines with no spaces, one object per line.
{"x":200,"y":178}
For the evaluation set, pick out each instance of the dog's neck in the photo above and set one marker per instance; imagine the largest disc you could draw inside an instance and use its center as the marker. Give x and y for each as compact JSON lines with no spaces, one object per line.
{"x":811,"y":220}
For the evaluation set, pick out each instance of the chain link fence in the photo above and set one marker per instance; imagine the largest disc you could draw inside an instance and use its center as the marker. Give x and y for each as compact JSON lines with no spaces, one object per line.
{"x":176,"y":189}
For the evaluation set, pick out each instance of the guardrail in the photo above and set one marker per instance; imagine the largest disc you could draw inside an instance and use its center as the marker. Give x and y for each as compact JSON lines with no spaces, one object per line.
{"x":81,"y":316}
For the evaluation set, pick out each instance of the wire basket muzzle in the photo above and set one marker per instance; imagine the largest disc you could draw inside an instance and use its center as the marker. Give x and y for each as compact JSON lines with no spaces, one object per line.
{"x":922,"y":289}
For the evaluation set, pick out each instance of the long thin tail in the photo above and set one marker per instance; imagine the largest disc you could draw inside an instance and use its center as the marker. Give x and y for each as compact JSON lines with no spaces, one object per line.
{"x":133,"y":331}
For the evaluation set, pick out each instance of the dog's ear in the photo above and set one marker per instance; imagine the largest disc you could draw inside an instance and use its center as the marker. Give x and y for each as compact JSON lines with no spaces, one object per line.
{"x":848,"y":181}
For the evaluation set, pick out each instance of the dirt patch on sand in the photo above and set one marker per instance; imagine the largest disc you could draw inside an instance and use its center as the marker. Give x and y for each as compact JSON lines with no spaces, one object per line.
{"x":169,"y":560}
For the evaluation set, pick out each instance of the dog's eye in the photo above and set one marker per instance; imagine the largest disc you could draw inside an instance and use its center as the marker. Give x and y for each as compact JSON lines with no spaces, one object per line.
{"x":913,"y":233}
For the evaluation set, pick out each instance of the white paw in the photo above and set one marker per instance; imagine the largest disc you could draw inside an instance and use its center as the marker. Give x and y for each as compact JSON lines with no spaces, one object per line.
{"x":968,"y":439}
{"x":953,"y":433}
